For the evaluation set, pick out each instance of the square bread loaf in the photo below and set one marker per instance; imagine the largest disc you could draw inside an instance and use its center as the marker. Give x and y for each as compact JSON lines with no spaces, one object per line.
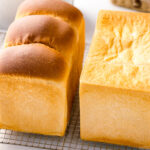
{"x":115,"y":81}
{"x":40,"y":67}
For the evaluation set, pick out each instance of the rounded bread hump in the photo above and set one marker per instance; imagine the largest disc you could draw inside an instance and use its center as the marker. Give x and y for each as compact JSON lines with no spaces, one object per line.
{"x":35,"y":60}
{"x":37,"y":41}
{"x":57,"y":8}
{"x":43,"y":29}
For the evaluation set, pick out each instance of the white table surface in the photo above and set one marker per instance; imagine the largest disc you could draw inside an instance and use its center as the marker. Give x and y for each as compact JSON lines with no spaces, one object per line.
{"x":90,"y":10}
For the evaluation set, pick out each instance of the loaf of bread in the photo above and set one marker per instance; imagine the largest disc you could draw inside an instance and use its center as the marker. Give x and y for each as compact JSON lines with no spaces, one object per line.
{"x":40,"y":67}
{"x":115,"y":82}
{"x":140,"y":5}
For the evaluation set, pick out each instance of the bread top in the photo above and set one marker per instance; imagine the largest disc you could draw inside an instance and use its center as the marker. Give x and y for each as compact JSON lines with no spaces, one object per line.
{"x":35,"y":60}
{"x":43,"y":29}
{"x":56,"y":8}
{"x":53,"y":25}
{"x":119,"y":54}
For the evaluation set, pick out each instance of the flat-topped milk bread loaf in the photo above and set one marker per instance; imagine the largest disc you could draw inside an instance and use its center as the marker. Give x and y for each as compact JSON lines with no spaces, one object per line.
{"x":115,"y":81}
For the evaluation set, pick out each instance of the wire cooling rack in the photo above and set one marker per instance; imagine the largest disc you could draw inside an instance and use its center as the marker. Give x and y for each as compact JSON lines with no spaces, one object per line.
{"x":71,"y":141}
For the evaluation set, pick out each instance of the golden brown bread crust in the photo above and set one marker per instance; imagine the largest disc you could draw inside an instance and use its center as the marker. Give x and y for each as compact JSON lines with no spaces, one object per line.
{"x":44,"y":29}
{"x":49,"y":30}
{"x":120,"y":50}
{"x":40,"y":67}
{"x":35,"y":60}
{"x":50,"y":7}
{"x":114,"y":85}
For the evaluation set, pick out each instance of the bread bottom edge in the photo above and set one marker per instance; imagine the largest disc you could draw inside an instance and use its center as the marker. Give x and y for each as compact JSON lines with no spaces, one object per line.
{"x":60,"y":134}
{"x":114,"y":142}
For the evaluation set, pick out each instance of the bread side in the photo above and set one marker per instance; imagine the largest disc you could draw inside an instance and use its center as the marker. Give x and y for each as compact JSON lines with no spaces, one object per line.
{"x":116,"y":116}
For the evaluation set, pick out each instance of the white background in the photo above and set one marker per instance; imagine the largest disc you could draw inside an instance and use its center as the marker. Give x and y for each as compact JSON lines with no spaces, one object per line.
{"x":90,"y":10}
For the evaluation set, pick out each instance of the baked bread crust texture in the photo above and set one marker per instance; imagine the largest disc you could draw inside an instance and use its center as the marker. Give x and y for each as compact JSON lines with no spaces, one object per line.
{"x":39,"y":71}
{"x":115,"y":81}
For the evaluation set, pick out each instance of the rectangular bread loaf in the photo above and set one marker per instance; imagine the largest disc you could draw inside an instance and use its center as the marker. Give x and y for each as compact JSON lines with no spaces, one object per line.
{"x":40,"y":67}
{"x":115,"y":82}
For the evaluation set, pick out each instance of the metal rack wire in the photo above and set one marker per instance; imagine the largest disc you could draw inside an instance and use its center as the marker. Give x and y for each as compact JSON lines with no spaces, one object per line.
{"x":71,"y":141}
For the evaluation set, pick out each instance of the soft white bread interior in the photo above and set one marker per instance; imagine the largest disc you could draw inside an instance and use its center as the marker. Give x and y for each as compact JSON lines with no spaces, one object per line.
{"x":115,"y":82}
{"x":40,"y":67}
